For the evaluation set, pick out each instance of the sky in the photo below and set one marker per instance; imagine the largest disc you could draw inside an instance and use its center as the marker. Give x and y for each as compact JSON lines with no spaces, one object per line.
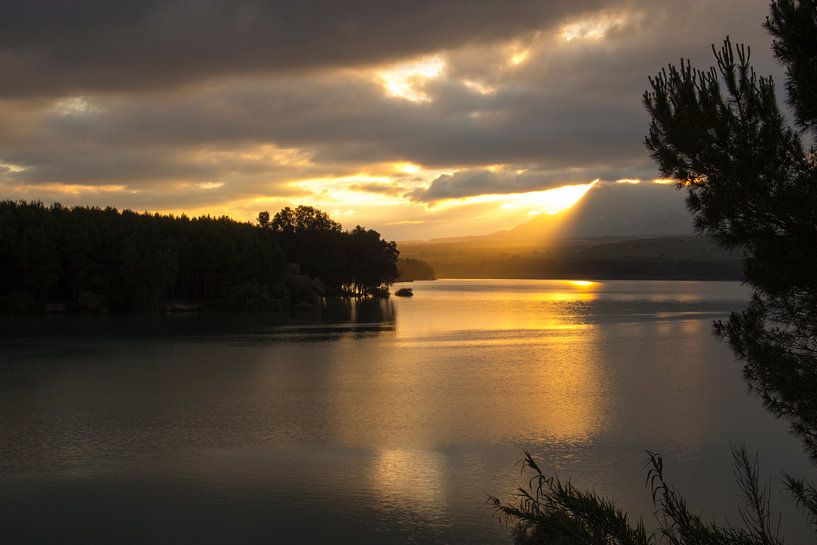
{"x":418,"y":118}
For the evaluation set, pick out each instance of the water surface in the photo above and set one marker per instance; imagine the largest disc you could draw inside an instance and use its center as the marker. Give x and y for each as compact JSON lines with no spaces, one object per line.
{"x":381,"y":422}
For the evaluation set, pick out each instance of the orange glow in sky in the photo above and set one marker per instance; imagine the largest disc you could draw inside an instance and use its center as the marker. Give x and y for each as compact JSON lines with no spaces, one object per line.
{"x":553,"y":201}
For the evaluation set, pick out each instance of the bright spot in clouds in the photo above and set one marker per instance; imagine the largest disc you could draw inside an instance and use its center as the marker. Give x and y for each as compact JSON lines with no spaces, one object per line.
{"x":210,"y":185}
{"x":406,"y":168}
{"x":519,"y":57}
{"x":11,"y":167}
{"x":595,"y":28}
{"x":77,"y":105}
{"x":406,"y":80}
{"x":479,"y":87}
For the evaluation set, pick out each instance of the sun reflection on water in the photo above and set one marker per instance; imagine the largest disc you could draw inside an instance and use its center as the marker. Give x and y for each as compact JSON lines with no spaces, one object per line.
{"x":531,"y":355}
{"x":581,"y":283}
{"x":410,"y":478}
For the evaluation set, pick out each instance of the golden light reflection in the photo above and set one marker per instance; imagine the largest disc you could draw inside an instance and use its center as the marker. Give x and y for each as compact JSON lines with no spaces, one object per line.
{"x":533,"y":360}
{"x":582,"y":283}
{"x":412,"y":478}
{"x":406,"y":80}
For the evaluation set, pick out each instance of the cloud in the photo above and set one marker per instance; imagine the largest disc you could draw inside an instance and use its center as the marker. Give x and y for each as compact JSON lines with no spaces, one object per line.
{"x":56,"y":47}
{"x":468,"y":183}
{"x":392,"y":189}
{"x":500,"y":181}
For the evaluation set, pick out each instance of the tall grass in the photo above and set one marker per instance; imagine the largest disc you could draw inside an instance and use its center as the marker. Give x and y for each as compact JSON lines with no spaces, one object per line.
{"x":548,"y":511}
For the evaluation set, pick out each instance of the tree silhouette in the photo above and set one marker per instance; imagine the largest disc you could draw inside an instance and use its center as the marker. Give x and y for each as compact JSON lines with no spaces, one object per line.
{"x":92,"y":259}
{"x":752,"y":186}
{"x":263,"y":219}
{"x":357,"y":262}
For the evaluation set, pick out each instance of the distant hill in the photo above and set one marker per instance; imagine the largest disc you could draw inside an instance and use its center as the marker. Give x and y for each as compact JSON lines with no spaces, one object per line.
{"x":617,"y":230}
{"x":675,"y":248}
{"x":683,"y":257}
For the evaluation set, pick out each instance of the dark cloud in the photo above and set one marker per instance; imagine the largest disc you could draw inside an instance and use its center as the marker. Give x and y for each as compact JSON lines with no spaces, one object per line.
{"x":467,"y":183}
{"x":59,"y":47}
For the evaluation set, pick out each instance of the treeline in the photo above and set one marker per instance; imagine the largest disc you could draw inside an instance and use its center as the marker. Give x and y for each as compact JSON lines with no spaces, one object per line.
{"x":90,"y":259}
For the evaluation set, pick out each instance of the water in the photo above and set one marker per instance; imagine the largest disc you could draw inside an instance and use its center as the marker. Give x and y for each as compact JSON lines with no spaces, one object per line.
{"x":386,"y":422}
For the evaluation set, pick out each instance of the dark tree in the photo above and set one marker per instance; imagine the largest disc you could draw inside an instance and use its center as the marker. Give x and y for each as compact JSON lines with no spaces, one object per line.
{"x":794,"y":27}
{"x":263,"y":219}
{"x":302,"y":219}
{"x":357,"y":262}
{"x":373,"y":261}
{"x":752,"y":186}
{"x":283,"y":221}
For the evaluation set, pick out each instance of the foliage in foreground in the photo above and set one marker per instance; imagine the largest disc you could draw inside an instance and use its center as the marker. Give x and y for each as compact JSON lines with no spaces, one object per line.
{"x":550,"y":512}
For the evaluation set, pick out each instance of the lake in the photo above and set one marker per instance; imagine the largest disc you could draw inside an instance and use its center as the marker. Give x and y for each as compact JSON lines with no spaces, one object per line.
{"x":381,"y":422}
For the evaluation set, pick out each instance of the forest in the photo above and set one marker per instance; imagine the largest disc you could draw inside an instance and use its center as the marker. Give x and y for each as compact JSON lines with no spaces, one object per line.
{"x":56,"y":258}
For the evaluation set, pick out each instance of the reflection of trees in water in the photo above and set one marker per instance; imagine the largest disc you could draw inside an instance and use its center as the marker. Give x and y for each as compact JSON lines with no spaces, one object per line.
{"x":358,"y":310}
{"x":336,"y":317}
